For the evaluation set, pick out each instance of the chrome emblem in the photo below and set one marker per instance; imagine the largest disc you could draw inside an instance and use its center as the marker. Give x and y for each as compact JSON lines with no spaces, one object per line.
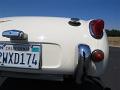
{"x":14,"y":34}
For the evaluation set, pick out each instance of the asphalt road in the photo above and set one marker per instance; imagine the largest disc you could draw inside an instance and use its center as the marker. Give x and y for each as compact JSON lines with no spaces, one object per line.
{"x":110,"y":78}
{"x":112,"y":75}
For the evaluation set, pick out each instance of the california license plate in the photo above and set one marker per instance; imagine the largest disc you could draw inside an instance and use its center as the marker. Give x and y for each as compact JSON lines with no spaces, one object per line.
{"x":20,"y":55}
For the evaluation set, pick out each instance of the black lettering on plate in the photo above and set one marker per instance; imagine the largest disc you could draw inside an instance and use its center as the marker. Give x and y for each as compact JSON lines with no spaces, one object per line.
{"x":5,"y":57}
{"x":33,"y":60}
{"x":1,"y":47}
{"x":29,"y":56}
{"x":22,"y":55}
{"x":10,"y":60}
{"x":16,"y":61}
{"x":0,"y":54}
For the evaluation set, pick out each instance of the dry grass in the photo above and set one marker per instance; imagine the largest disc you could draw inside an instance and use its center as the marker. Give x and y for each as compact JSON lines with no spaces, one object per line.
{"x":115,"y":41}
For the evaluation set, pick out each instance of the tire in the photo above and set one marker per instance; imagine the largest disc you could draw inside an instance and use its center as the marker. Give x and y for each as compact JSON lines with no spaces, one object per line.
{"x":94,"y":83}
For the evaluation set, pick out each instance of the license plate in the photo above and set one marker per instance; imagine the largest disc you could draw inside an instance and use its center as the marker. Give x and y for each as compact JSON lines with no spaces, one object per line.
{"x":20,"y":55}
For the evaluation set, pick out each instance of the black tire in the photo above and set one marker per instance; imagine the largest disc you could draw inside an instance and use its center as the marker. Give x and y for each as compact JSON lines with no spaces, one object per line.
{"x":94,"y":83}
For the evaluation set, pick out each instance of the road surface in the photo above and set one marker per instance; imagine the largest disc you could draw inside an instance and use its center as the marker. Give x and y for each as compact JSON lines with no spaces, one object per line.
{"x":112,"y":75}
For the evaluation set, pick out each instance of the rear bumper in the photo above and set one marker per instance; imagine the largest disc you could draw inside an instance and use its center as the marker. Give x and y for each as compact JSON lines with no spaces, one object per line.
{"x":84,"y":62}
{"x":59,"y":62}
{"x":56,"y":77}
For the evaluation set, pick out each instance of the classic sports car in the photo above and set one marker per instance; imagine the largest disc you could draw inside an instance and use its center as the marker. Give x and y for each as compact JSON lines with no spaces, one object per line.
{"x":52,"y":48}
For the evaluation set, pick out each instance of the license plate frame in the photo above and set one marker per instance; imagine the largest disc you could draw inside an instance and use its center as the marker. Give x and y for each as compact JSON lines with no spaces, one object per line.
{"x":35,"y":50}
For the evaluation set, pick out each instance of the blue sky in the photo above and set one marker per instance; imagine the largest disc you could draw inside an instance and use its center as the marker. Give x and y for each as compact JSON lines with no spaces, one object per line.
{"x":108,"y":10}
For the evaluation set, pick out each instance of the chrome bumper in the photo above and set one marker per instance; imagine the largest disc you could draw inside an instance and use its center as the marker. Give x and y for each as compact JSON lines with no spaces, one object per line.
{"x":84,"y":62}
{"x":84,"y":56}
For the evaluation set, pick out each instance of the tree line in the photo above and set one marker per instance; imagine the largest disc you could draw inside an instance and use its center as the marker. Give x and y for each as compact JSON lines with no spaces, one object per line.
{"x":113,"y":33}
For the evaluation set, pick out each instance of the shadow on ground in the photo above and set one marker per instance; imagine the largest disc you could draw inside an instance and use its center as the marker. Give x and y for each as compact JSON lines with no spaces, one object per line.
{"x":22,"y":84}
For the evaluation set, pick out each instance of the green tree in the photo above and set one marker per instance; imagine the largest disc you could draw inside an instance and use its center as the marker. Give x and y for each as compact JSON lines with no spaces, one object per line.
{"x":113,"y":33}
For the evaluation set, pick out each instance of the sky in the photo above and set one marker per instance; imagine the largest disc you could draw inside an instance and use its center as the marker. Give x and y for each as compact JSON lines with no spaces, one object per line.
{"x":108,"y":10}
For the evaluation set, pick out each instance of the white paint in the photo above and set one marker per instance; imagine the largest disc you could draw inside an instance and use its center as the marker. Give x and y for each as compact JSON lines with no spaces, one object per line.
{"x":61,"y":58}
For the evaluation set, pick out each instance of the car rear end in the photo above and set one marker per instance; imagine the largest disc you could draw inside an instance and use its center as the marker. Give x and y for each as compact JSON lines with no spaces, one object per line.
{"x":37,"y":46}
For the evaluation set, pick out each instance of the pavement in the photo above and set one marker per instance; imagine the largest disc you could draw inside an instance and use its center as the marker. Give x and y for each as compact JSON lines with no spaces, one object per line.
{"x":111,"y":78}
{"x":2,"y":79}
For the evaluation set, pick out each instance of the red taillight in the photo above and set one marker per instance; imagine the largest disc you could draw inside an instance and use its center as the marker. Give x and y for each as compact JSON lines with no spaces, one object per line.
{"x":96,"y":28}
{"x":97,"y":55}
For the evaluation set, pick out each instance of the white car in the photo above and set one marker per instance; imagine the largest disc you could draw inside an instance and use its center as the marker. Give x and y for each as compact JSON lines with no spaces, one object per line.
{"x":52,"y":47}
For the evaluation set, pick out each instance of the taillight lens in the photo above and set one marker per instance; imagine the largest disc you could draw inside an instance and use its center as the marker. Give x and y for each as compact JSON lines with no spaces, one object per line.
{"x":96,"y":28}
{"x":97,"y":55}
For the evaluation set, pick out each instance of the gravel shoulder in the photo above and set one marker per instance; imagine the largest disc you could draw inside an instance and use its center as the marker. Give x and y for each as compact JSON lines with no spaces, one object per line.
{"x":114,"y":41}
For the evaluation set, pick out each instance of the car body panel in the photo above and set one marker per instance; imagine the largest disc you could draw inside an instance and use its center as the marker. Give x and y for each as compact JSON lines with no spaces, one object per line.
{"x":59,"y":41}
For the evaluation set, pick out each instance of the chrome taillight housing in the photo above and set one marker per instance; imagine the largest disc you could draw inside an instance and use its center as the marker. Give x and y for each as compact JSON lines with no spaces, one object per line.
{"x":96,"y":28}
